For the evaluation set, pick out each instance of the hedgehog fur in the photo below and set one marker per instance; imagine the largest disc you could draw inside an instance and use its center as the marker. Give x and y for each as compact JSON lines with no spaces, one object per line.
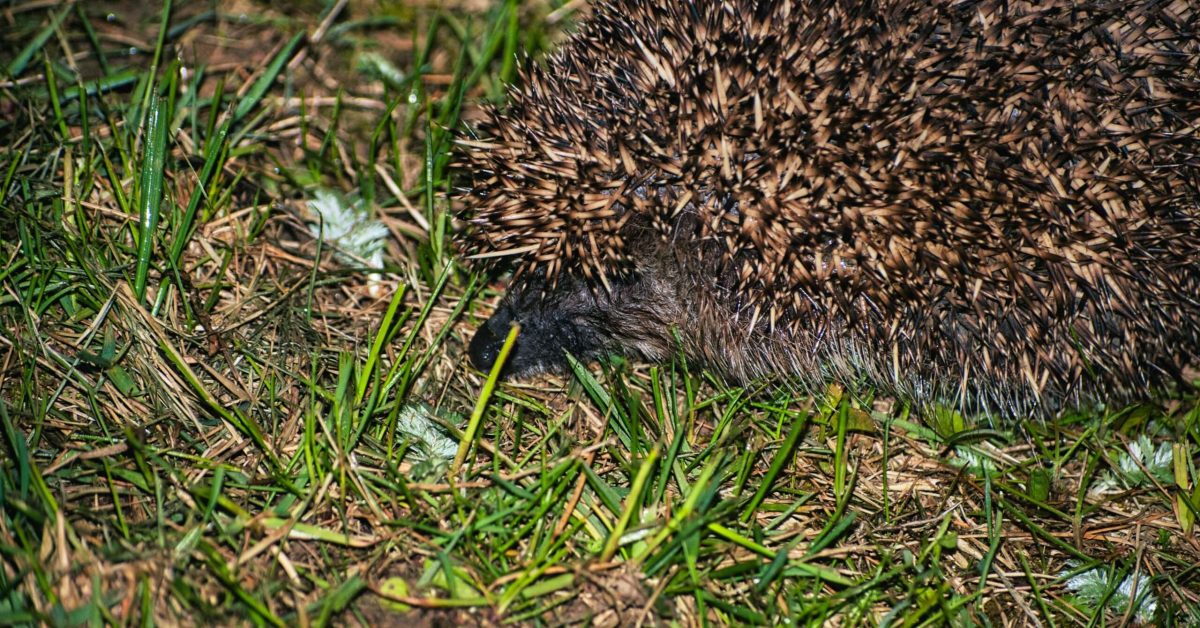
{"x":993,"y":204}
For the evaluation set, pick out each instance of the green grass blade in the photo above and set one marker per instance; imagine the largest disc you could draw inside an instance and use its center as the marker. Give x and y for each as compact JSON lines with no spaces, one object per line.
{"x":150,"y":192}
{"x":632,"y":502}
{"x":464,"y":445}
{"x":782,"y":457}
{"x":264,"y":82}
{"x":21,"y":61}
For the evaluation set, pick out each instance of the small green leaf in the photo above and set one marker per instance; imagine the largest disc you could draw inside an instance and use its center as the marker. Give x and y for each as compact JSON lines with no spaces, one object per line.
{"x":399,"y":588}
{"x":1039,"y":485}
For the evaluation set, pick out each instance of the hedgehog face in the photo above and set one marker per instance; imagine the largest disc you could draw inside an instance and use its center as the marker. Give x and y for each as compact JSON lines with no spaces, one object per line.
{"x":633,"y":316}
{"x":568,"y":321}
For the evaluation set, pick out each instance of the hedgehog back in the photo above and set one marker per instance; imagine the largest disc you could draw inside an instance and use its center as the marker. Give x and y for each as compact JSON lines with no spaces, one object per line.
{"x":998,"y":202}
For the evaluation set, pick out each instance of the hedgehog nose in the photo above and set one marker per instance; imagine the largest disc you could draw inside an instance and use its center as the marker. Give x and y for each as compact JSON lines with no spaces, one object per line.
{"x":485,"y":345}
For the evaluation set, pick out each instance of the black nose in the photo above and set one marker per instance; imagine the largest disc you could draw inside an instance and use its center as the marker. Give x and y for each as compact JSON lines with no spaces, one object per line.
{"x":485,"y":345}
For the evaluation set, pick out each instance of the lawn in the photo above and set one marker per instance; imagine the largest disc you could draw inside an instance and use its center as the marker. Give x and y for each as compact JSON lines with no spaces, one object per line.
{"x":233,"y":385}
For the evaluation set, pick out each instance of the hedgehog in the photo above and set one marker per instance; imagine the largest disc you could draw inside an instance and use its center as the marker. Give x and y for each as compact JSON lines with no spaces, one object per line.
{"x":989,"y":204}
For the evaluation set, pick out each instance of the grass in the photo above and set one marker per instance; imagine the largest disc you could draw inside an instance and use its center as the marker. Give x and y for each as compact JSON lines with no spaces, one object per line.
{"x":211,"y":413}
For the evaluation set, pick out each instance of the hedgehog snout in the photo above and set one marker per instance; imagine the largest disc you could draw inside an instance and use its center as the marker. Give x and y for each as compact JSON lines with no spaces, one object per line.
{"x":488,"y":339}
{"x":547,"y":333}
